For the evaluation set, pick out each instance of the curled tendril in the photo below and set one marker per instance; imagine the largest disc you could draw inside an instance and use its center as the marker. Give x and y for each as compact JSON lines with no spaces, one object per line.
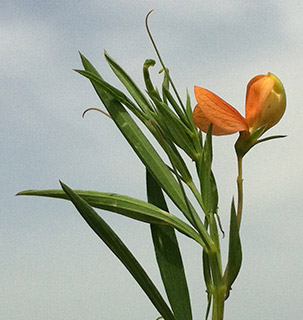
{"x":95,"y":109}
{"x":160,"y":59}
{"x":152,"y":40}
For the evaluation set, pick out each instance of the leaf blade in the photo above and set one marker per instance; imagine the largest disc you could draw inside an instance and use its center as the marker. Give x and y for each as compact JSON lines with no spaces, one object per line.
{"x":115,"y":244}
{"x":143,"y":148}
{"x":151,"y":159}
{"x":124,"y":205}
{"x":169,"y":257}
{"x":234,"y":252}
{"x":129,"y":84}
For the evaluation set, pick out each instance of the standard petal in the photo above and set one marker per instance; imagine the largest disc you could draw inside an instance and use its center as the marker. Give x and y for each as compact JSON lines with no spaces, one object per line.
{"x":212,"y":109}
{"x":258,"y":90}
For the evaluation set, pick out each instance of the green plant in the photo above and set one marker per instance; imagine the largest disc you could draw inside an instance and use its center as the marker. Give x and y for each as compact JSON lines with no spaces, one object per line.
{"x":174,"y":126}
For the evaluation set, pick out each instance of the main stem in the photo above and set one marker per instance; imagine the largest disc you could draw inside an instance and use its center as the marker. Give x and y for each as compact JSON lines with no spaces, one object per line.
{"x":218,"y":288}
{"x":240,"y":191}
{"x":218,"y":302}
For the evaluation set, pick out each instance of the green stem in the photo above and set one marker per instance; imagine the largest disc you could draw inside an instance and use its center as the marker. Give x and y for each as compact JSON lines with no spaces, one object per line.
{"x":194,"y":217}
{"x":218,"y":290}
{"x":240,"y":191}
{"x":218,"y":302}
{"x":213,"y":229}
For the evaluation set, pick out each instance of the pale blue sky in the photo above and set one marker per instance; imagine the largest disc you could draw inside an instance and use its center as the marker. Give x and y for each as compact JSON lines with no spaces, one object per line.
{"x":52,"y":265}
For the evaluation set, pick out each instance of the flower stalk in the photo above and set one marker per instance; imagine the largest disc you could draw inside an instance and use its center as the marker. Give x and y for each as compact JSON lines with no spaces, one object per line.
{"x":240,"y":190}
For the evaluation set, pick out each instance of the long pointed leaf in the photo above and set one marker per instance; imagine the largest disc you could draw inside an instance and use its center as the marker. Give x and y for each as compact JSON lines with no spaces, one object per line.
{"x":176,"y":129}
{"x":129,"y":84}
{"x":142,"y":146}
{"x":115,"y":244}
{"x":150,"y":158}
{"x":115,"y":93}
{"x":169,"y":257}
{"x":126,"y":206}
{"x":174,"y":104}
{"x":234,"y":251}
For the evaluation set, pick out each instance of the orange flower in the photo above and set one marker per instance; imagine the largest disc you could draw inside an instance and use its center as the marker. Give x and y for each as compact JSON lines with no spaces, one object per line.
{"x":265,"y":105}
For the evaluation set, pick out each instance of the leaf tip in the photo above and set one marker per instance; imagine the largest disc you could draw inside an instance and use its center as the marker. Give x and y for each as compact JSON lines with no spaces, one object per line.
{"x":62,"y":184}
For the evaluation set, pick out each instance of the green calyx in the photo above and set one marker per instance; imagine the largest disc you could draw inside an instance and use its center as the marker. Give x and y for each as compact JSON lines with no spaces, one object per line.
{"x":246,"y":141}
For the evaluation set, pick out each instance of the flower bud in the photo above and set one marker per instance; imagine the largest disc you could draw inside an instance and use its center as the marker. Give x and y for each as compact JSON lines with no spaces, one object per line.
{"x":265,"y":102}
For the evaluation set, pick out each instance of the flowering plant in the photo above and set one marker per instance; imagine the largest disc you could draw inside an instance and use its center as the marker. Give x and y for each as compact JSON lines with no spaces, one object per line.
{"x":176,"y":127}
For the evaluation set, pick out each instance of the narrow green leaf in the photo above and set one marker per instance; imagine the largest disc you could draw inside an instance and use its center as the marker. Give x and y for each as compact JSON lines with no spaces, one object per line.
{"x":208,"y":282}
{"x":176,"y":129}
{"x":189,"y":113}
{"x":129,"y":84}
{"x":169,"y":257}
{"x":271,"y":138}
{"x":206,"y":268}
{"x":115,"y":244}
{"x":206,"y":177}
{"x":178,"y":161}
{"x":126,"y":206}
{"x":210,"y":199}
{"x":196,"y":134}
{"x":208,"y":279}
{"x":117,"y":94}
{"x":147,"y":154}
{"x":88,"y":66}
{"x":214,"y":192}
{"x":175,"y":105}
{"x":143,"y":148}
{"x":151,"y":159}
{"x":234,"y":251}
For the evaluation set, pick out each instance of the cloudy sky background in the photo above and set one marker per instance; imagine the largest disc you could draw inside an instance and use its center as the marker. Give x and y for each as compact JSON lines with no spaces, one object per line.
{"x":52,"y":265}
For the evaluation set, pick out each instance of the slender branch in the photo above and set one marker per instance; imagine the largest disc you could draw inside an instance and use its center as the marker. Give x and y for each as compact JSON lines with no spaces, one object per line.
{"x":240,"y":191}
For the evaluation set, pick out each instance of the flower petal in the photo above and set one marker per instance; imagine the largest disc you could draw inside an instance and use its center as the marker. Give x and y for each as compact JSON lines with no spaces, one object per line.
{"x":212,"y":109}
{"x":258,"y":90}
